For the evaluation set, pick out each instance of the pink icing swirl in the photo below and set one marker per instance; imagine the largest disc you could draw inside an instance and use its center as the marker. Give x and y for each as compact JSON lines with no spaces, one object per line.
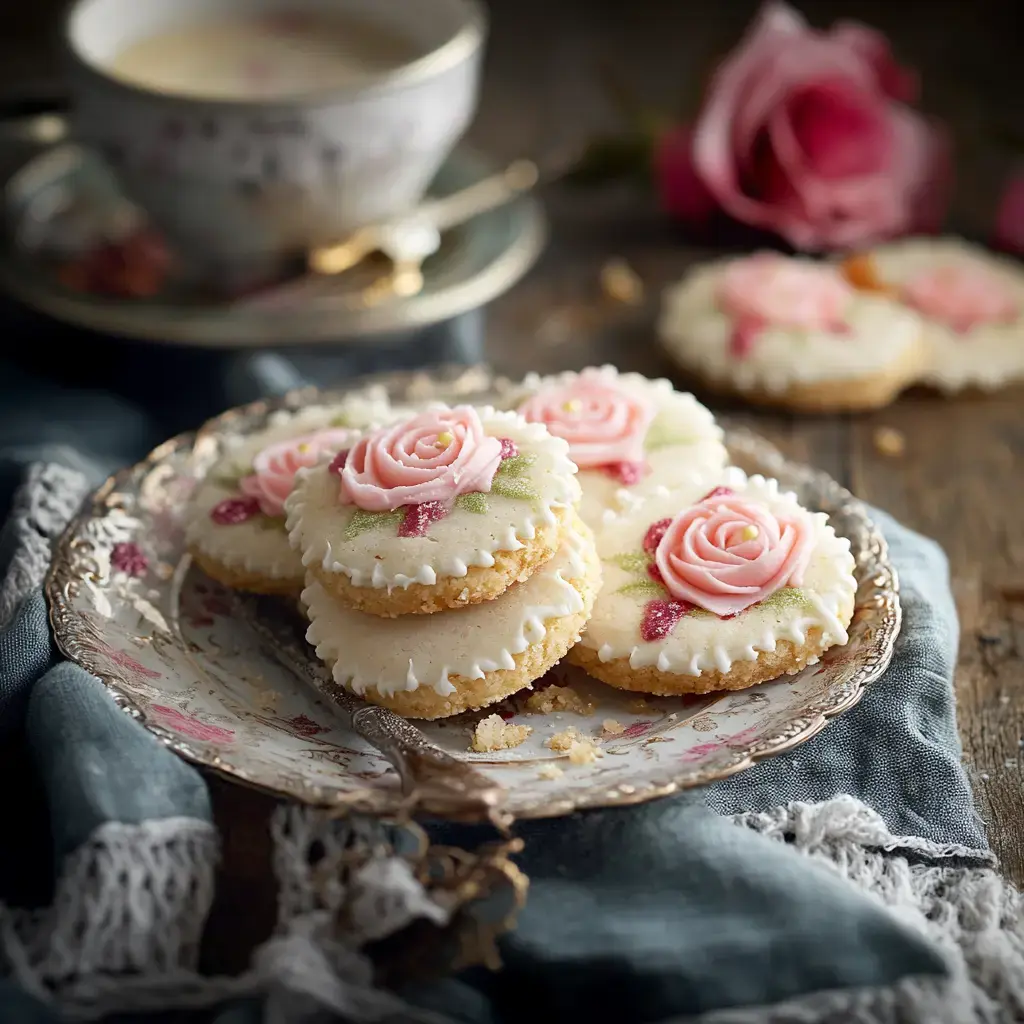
{"x":767,"y":288}
{"x":275,"y":467}
{"x":961,"y":295}
{"x":602,"y":422}
{"x":727,"y":553}
{"x":435,"y":456}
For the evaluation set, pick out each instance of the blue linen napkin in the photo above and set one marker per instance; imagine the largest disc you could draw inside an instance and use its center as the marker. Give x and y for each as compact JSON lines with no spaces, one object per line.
{"x":849,"y":880}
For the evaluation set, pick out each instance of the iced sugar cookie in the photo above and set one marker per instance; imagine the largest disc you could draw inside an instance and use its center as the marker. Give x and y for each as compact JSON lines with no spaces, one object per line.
{"x":626,"y":433}
{"x":971,"y":303}
{"x":441,"y":510}
{"x":236,"y":521}
{"x":433,"y":666}
{"x":792,"y":332}
{"x":716,"y":591}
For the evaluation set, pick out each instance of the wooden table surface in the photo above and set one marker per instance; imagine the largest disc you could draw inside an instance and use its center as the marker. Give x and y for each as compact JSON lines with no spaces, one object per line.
{"x":960,"y":478}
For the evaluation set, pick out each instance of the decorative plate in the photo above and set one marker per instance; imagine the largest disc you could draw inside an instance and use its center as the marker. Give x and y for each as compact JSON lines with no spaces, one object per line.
{"x":65,"y":199}
{"x":160,"y":636}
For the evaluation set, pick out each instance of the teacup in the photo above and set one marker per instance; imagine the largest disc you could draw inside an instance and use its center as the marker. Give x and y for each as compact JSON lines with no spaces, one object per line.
{"x":239,"y":179}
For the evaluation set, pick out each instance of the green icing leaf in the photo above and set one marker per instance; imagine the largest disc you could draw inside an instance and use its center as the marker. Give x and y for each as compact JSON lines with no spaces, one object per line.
{"x":514,"y":487}
{"x":661,"y":435}
{"x":784,"y":599}
{"x":231,"y":476}
{"x":475,"y":502}
{"x":271,"y":523}
{"x":362,"y":521}
{"x":516,"y":466}
{"x":341,"y":419}
{"x":634,"y":562}
{"x":643,"y":588}
{"x":702,"y":613}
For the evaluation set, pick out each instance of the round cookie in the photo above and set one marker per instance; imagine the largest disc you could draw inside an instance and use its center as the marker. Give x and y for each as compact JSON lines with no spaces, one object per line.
{"x":458,"y":660}
{"x":626,"y":433}
{"x":445,"y":509}
{"x":971,"y":303}
{"x":790,"y":332}
{"x":235,"y":522}
{"x":716,"y":591}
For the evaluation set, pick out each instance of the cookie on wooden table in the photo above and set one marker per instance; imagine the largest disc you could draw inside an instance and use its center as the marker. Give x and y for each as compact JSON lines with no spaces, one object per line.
{"x":971,"y":303}
{"x":626,"y":433}
{"x":716,"y":590}
{"x":235,"y":522}
{"x":434,"y":666}
{"x":791,"y":332}
{"x":445,"y":509}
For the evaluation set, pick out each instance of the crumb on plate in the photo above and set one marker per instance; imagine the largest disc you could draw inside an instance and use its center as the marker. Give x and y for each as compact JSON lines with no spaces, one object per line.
{"x":621,"y":283}
{"x":581,"y":749}
{"x":494,"y":734}
{"x":639,"y":706}
{"x":558,"y":698}
{"x":550,"y":771}
{"x":609,"y":727}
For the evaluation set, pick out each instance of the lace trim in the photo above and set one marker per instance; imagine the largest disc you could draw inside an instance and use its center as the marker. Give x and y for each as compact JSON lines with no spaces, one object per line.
{"x":43,"y":506}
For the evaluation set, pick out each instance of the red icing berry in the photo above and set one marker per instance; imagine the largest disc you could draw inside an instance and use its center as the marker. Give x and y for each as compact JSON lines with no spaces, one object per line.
{"x":508,"y":448}
{"x":338,"y":463}
{"x":718,"y":492}
{"x":418,"y":518}
{"x":655,"y":573}
{"x":128,"y":558}
{"x":627,"y":473}
{"x":744,"y":333}
{"x":233,"y":511}
{"x":653,"y":536}
{"x":660,"y":618}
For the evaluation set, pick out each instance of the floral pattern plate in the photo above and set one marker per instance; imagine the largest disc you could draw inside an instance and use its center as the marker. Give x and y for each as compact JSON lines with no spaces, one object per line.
{"x":127,"y":604}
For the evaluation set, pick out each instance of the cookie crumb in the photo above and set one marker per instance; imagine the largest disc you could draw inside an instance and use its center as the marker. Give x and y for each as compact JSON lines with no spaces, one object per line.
{"x":889,"y":442}
{"x":558,"y":698}
{"x":639,"y":706}
{"x":494,"y":734}
{"x":621,"y":283}
{"x":581,"y":749}
{"x":550,"y":771}
{"x":609,"y":727}
{"x":267,"y":700}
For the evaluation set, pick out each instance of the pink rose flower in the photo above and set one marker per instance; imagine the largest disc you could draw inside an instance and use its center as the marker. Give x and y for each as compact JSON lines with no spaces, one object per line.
{"x":275,"y":467}
{"x":961,"y":295}
{"x":773,"y":289}
{"x":802,"y":133}
{"x":602,"y":422}
{"x":1009,"y":231}
{"x":435,"y":456}
{"x":726,"y":554}
{"x":173,"y":719}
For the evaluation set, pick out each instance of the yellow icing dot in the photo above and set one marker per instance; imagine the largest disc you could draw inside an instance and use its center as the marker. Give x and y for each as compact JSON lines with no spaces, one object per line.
{"x":443,"y":440}
{"x":750,"y":532}
{"x":573,"y":405}
{"x":304,"y":448}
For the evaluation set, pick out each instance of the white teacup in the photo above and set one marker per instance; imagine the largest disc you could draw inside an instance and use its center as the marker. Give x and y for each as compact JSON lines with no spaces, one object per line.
{"x":238,"y":181}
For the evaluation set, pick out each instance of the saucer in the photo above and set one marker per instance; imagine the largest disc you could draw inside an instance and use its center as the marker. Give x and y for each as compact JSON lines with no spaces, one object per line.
{"x":65,"y":197}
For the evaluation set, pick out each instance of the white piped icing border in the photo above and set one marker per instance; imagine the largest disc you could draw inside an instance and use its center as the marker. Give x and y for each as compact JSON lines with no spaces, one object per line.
{"x":317,"y":521}
{"x":687,"y":440}
{"x":697,"y":333}
{"x":705,"y":643}
{"x":400,"y":655}
{"x":251,"y":546}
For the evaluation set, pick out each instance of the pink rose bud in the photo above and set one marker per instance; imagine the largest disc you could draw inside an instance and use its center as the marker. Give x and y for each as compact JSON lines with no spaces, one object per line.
{"x":1009,"y":231}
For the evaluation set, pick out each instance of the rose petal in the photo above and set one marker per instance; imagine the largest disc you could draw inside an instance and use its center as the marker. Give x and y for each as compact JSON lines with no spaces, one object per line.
{"x":1009,"y":228}
{"x":682,"y":193}
{"x":895,"y":81}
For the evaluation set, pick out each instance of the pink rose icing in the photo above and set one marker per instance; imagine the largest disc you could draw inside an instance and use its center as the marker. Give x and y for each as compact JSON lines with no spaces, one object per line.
{"x":727,"y":553}
{"x":962,"y":295}
{"x":275,"y":467}
{"x":602,"y":422}
{"x":435,"y":456}
{"x":772,"y":289}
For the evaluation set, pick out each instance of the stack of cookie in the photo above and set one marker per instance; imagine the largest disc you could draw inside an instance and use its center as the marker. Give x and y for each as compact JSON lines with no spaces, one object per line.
{"x":447,"y":567}
{"x":448,"y":559}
